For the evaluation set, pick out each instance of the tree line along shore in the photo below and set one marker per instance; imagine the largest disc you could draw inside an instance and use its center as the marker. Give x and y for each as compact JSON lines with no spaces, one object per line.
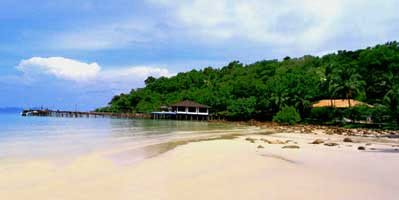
{"x":283,"y":90}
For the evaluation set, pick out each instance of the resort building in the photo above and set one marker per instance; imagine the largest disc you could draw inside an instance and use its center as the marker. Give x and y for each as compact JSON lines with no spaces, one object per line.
{"x":184,"y":110}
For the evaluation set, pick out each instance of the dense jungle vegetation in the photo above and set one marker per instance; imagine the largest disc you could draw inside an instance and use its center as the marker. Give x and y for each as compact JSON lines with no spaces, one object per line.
{"x":262,"y":89}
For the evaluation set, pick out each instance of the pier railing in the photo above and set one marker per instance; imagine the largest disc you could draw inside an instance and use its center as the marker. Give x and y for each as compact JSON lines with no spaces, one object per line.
{"x":76,"y":114}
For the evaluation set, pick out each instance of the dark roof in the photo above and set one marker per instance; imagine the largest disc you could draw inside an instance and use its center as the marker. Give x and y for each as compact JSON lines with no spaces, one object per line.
{"x":189,"y":104}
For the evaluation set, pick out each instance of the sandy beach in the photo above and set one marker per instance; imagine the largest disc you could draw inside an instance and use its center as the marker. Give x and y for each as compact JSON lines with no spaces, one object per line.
{"x":256,"y":166}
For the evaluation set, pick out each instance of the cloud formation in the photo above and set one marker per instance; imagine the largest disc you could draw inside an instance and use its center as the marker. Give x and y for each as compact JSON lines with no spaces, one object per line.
{"x":73,"y":70}
{"x":285,"y":24}
{"x":67,"y":82}
{"x":59,"y":67}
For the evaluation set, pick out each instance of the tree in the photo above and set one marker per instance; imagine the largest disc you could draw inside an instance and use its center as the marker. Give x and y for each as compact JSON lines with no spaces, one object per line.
{"x":149,"y":80}
{"x":391,"y":99}
{"x":287,"y":115}
{"x":242,"y":109}
{"x":262,"y":89}
{"x":345,"y":82}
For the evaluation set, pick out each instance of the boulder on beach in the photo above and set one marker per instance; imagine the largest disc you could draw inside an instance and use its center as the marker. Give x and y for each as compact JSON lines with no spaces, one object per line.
{"x":318,"y":141}
{"x":348,"y":140}
{"x":331,"y":144}
{"x":291,"y":147}
{"x":260,"y":147}
{"x":361,"y":148}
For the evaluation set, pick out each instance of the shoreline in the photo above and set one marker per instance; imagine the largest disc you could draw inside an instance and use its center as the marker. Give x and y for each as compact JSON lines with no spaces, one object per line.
{"x":248,"y":164}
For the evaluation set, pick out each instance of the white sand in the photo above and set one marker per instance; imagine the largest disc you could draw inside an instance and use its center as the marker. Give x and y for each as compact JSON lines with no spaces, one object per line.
{"x":222,"y":169}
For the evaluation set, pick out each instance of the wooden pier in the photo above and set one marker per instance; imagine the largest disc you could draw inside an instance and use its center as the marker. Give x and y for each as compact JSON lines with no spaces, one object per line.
{"x":76,"y":114}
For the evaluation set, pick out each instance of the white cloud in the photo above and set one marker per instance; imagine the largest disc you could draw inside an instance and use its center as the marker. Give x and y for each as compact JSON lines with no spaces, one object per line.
{"x":73,"y":70}
{"x":136,"y":72}
{"x":59,"y":67}
{"x":124,"y":79}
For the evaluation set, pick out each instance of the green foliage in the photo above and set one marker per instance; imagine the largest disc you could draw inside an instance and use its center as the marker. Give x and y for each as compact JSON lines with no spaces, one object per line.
{"x":261,"y":89}
{"x":358,"y":113}
{"x":326,"y":115}
{"x":380,"y":114}
{"x":242,"y":109}
{"x":287,"y":115}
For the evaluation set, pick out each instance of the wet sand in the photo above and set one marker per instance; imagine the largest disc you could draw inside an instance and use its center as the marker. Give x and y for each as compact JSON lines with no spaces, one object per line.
{"x":223,"y":168}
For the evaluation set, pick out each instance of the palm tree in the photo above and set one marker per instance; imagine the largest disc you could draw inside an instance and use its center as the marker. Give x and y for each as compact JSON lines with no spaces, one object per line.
{"x":346,"y":82}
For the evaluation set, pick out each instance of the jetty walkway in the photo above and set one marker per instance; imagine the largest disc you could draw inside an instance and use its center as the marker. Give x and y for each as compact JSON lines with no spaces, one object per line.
{"x":76,"y":114}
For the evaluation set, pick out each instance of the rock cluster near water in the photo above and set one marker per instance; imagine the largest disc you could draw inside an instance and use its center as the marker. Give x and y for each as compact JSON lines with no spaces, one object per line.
{"x":329,"y":137}
{"x":329,"y":130}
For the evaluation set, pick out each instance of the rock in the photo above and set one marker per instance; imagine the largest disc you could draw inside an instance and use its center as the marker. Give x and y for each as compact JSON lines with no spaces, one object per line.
{"x":317,"y":141}
{"x":361,"y":148}
{"x":331,"y":144}
{"x":291,"y":147}
{"x":264,"y":140}
{"x":348,"y":140}
{"x":372,"y":148}
{"x":274,"y":141}
{"x":368,"y":144}
{"x":395,"y":145}
{"x":252,"y":140}
{"x":260,"y":147}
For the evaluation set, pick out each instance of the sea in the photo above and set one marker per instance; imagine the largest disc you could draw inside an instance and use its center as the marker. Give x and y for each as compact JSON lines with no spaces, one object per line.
{"x":25,"y":138}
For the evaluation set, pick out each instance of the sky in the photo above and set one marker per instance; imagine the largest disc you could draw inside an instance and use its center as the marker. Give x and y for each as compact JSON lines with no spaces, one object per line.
{"x":67,"y":54}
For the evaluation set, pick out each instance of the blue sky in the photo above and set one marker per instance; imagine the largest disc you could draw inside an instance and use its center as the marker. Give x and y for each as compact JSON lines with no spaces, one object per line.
{"x":62,"y":53}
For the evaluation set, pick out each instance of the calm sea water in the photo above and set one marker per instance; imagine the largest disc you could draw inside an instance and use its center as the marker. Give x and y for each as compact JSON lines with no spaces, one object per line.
{"x":50,"y":137}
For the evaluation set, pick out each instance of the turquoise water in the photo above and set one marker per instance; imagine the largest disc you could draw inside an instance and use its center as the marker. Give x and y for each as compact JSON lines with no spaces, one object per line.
{"x":51,"y":137}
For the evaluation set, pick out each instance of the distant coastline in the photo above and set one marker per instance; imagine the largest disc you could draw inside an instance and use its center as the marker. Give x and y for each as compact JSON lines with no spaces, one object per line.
{"x":10,"y":109}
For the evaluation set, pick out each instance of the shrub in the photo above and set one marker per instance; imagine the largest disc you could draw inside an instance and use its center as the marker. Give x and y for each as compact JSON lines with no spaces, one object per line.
{"x":358,"y":112}
{"x":380,"y":114}
{"x":325,"y":114}
{"x":287,"y":115}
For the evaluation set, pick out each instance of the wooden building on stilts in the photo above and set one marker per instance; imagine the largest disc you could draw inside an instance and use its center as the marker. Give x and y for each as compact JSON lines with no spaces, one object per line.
{"x":184,"y":110}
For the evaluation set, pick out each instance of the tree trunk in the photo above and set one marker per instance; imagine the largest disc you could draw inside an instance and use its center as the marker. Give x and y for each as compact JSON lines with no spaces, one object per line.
{"x":348,"y":96}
